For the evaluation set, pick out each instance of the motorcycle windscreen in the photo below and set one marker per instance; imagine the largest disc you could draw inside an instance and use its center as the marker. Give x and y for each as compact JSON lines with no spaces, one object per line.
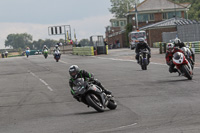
{"x":79,"y":85}
{"x":57,"y":52}
{"x":177,"y":56}
{"x":144,"y":51}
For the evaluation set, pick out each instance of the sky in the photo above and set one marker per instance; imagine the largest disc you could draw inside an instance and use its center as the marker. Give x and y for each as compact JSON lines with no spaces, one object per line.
{"x":86,"y":17}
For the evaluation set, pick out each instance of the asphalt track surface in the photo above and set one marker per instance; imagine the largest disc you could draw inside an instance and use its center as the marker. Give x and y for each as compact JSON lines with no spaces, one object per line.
{"x":35,"y":96}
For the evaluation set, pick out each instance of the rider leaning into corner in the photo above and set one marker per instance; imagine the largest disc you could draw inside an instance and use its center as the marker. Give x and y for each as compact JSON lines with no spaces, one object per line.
{"x":169,"y":55}
{"x":142,"y":45}
{"x":75,"y":73}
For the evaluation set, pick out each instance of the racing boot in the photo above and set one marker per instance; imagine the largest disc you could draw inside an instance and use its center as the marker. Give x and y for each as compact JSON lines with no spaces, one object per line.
{"x":106,"y":91}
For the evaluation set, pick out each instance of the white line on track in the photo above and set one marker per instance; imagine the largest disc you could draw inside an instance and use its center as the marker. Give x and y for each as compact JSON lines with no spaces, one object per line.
{"x":114,"y":129}
{"x":41,"y":80}
{"x":128,"y":60}
{"x":135,"y":61}
{"x":64,"y":62}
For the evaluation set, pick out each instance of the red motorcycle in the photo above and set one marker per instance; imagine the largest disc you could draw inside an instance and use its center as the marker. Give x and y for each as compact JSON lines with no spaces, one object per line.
{"x":183,"y":65}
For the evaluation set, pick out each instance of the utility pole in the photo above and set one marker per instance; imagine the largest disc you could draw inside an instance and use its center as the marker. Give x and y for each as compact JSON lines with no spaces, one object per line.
{"x":136,"y":16}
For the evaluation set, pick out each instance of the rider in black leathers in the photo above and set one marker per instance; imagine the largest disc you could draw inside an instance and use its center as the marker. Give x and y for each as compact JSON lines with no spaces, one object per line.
{"x":75,"y":73}
{"x":142,"y":45}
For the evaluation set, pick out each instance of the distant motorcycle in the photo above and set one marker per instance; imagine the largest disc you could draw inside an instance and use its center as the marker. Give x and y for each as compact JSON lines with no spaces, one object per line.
{"x":45,"y":53}
{"x":57,"y":55}
{"x":27,"y":53}
{"x":92,"y":95}
{"x":143,"y":59}
{"x":183,"y":65}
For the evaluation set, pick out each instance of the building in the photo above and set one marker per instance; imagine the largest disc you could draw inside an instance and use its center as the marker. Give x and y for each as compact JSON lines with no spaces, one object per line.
{"x":155,"y":31}
{"x":153,"y":11}
{"x":116,"y":32}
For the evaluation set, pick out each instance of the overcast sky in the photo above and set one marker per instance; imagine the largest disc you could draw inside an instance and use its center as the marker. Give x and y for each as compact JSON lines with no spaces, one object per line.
{"x":87,"y":17}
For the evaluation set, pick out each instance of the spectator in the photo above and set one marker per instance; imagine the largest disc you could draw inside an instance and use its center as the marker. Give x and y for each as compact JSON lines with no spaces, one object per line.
{"x":2,"y":55}
{"x":6,"y":53}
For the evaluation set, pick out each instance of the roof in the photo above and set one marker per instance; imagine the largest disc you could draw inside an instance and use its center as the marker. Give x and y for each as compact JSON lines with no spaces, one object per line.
{"x":187,"y":22}
{"x":165,"y":23}
{"x":149,"y":5}
{"x":187,"y":5}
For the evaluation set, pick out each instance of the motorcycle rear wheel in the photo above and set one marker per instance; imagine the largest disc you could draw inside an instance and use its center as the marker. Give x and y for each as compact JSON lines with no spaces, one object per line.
{"x":94,"y":102}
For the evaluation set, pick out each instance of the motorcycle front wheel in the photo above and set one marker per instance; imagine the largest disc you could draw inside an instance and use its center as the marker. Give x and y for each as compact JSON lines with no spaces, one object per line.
{"x":94,"y":102}
{"x":186,"y":71}
{"x":112,"y":105}
{"x":143,"y":65}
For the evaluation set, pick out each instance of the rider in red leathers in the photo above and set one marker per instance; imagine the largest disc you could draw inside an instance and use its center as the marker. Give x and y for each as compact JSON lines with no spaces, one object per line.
{"x":169,"y":55}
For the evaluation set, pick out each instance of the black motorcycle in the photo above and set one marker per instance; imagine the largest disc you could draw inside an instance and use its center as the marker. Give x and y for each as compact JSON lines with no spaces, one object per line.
{"x":92,"y":95}
{"x":143,"y":58}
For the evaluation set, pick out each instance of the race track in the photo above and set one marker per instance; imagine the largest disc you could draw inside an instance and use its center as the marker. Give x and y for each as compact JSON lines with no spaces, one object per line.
{"x":35,"y":96}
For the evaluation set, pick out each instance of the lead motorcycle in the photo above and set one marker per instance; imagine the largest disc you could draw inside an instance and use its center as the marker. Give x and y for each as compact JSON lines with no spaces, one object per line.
{"x":57,"y":55}
{"x":183,"y":65}
{"x":143,"y":58}
{"x":27,"y":52}
{"x":92,"y":95}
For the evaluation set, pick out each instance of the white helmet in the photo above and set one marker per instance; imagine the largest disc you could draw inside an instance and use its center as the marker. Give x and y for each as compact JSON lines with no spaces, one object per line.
{"x":170,"y":46}
{"x":177,"y":41}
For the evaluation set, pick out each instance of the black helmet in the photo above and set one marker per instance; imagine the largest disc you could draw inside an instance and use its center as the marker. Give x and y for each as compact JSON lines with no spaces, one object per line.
{"x":73,"y":71}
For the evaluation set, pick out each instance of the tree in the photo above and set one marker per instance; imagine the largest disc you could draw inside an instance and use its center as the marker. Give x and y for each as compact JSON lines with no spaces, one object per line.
{"x":38,"y":44}
{"x":50,"y":43}
{"x":129,"y":28}
{"x":62,"y":41}
{"x":18,"y":40}
{"x":84,"y":42}
{"x":194,"y":12}
{"x":120,"y":7}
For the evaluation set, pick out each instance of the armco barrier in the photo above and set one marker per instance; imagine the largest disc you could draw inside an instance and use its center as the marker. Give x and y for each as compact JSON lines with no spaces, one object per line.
{"x":63,"y":49}
{"x":156,"y":45}
{"x":83,"y":51}
{"x":194,"y":45}
{"x":162,"y":46}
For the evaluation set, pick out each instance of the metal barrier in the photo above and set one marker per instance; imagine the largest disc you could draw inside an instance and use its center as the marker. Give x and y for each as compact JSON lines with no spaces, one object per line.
{"x":83,"y":51}
{"x":161,"y":45}
{"x":195,"y":46}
